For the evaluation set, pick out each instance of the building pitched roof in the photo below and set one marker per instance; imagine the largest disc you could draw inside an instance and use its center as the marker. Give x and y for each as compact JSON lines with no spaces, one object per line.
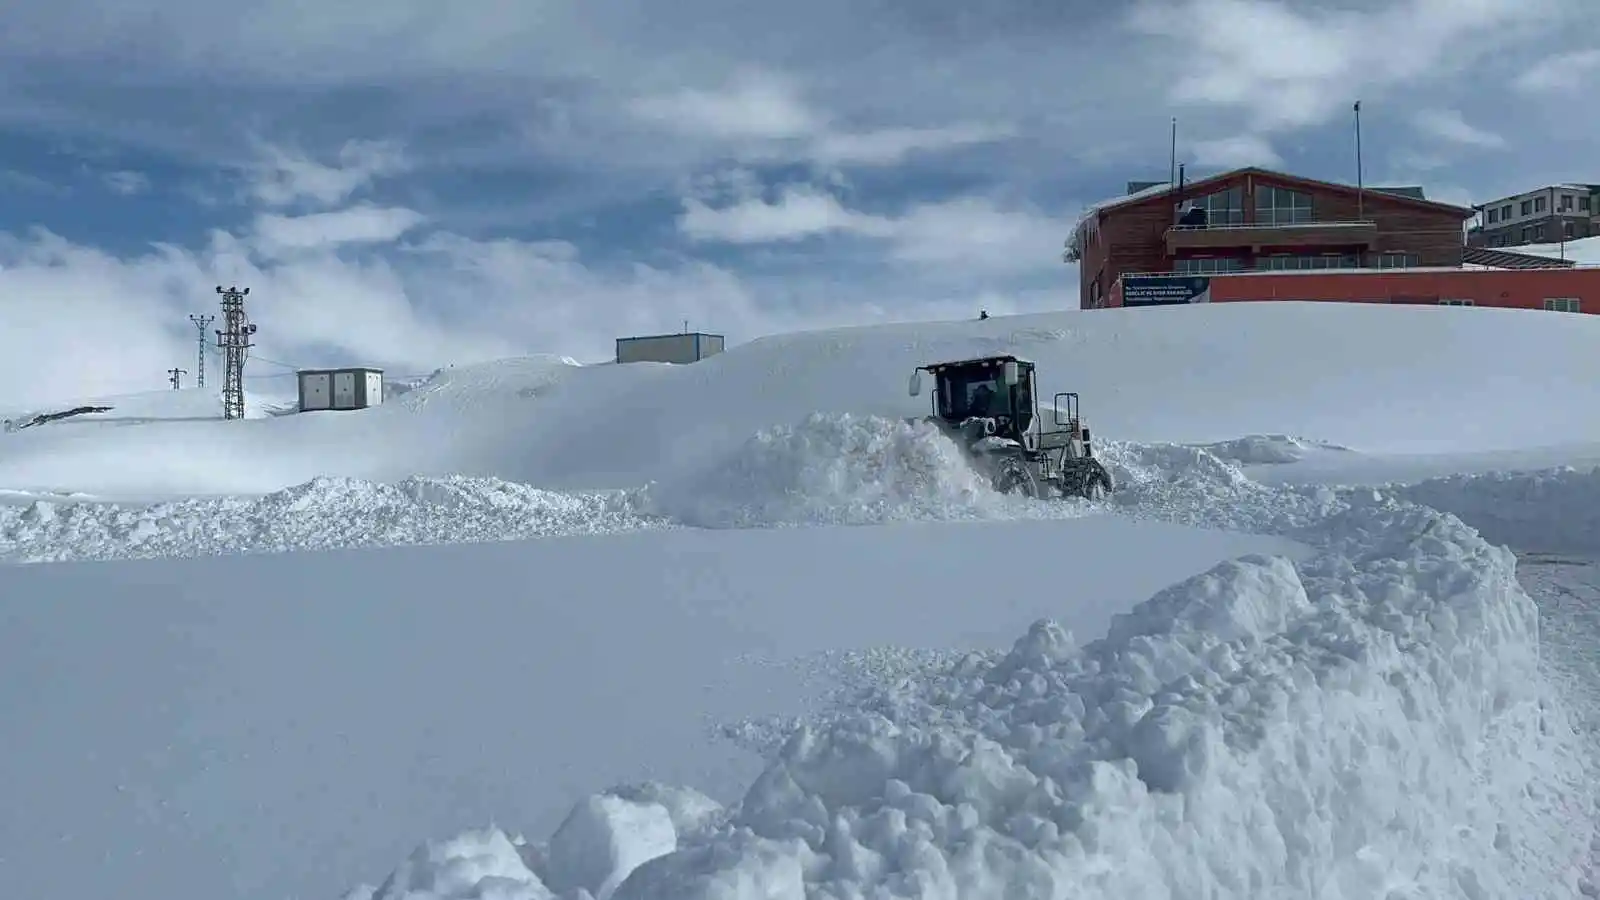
{"x":1162,"y":189}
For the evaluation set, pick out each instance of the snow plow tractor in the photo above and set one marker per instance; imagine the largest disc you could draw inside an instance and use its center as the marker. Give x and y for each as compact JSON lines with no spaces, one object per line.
{"x":990,"y":408}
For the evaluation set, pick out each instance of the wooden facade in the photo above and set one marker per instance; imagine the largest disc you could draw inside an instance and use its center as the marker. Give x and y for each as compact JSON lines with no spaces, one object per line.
{"x":1341,"y":228}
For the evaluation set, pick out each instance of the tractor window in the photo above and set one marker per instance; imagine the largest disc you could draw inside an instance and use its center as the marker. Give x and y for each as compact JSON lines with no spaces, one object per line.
{"x":1025,"y":401}
{"x":979,"y":392}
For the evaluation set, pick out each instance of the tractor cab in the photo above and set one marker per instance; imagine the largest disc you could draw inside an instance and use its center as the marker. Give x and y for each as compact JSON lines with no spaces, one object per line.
{"x":995,"y":387}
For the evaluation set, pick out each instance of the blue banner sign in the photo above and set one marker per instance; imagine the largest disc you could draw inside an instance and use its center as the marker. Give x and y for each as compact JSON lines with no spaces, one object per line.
{"x":1165,"y":290}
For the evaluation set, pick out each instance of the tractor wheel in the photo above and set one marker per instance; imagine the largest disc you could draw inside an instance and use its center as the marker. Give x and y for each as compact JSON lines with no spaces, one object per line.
{"x":1087,"y":481}
{"x":1012,"y":476}
{"x":1097,"y":484}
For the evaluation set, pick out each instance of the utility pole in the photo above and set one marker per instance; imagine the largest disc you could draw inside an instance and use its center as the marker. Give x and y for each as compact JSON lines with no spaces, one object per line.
{"x":175,"y":377}
{"x":201,"y":323}
{"x":233,"y":338}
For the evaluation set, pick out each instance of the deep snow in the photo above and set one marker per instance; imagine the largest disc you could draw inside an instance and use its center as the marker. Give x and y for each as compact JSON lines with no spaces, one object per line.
{"x":311,"y":723}
{"x":1377,"y":379}
{"x":1372,"y":718}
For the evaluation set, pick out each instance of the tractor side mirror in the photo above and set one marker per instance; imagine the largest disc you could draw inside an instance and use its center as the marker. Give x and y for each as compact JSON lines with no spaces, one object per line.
{"x":1011,"y":374}
{"x":915,"y":387}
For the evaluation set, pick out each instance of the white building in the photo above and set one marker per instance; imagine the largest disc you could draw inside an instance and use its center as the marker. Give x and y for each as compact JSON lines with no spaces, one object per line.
{"x":1553,"y":213}
{"x":357,"y":387}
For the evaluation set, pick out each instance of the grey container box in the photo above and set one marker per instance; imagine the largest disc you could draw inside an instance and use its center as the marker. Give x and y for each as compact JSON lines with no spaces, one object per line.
{"x":680,"y":348}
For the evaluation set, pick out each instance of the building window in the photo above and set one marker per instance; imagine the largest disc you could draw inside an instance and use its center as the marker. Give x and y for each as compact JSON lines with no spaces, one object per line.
{"x":1583,"y":204}
{"x":1505,"y":212}
{"x":1526,"y":207}
{"x":1562,"y":304}
{"x":1225,"y":207}
{"x":1281,"y":206}
{"x":1396,"y":260}
{"x":1444,"y":302}
{"x":1566,"y":230}
{"x":1564,"y":203}
{"x":1494,"y":216}
{"x":1207,"y":265}
{"x":1538,"y":204}
{"x":1287,"y":262}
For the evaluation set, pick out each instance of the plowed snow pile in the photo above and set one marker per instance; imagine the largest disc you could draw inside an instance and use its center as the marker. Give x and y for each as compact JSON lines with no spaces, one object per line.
{"x":1370,"y":722}
{"x":842,"y":469}
{"x":321,"y":514}
{"x":1553,"y":510}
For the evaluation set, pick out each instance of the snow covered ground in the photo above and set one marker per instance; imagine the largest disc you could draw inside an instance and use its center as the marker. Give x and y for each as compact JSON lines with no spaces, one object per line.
{"x":1272,"y":685}
{"x":1369,"y":378}
{"x":309,"y":725}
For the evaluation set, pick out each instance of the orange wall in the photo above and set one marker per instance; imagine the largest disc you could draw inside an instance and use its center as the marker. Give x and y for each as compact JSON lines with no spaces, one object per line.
{"x":1518,"y":288}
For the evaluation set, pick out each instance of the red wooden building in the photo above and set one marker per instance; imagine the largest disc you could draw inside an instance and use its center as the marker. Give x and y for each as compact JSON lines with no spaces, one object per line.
{"x":1253,"y":234}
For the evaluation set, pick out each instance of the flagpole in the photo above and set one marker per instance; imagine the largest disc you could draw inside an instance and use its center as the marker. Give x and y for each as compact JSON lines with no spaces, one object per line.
{"x":1361,"y":195}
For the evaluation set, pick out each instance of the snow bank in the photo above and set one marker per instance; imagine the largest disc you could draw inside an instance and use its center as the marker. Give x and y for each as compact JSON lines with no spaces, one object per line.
{"x":601,"y":842}
{"x":1365,"y":723}
{"x":1554,"y":510}
{"x":842,"y":469}
{"x":321,"y":514}
{"x":1371,"y":721}
{"x":1266,"y":449}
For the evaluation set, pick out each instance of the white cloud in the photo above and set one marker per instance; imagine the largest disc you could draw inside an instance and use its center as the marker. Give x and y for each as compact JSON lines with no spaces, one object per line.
{"x":1236,"y":151}
{"x":1294,"y":66}
{"x":1564,"y":72}
{"x":766,"y":117}
{"x":950,"y":235}
{"x":798,"y":213}
{"x":758,"y":105}
{"x":1448,"y":125}
{"x":281,"y":178}
{"x":127,"y":183}
{"x":276,"y":235}
{"x":890,"y":146}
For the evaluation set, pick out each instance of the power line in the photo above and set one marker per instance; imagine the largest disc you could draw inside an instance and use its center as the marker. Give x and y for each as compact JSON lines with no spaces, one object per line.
{"x":175,"y":377}
{"x":200,"y":325}
{"x":273,"y":362}
{"x":234,"y":339}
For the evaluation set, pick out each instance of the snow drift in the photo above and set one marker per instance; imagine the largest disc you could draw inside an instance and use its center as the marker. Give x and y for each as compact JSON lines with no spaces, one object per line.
{"x":1372,"y":721}
{"x":1193,"y":374}
{"x":1267,"y":449}
{"x":1552,"y":510}
{"x":321,"y":514}
{"x":842,"y":469}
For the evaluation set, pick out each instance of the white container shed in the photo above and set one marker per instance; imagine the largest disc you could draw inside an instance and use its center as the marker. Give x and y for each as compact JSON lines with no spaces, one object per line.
{"x":351,"y":388}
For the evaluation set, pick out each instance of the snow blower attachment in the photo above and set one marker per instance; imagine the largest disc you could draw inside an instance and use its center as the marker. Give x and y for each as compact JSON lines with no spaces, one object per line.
{"x":989,"y":407}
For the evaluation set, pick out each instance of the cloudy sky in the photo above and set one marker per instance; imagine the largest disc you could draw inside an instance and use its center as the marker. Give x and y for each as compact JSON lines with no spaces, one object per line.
{"x":412,"y":183}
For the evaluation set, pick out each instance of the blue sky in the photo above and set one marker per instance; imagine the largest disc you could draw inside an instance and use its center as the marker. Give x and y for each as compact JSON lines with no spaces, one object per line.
{"x":411,"y":184}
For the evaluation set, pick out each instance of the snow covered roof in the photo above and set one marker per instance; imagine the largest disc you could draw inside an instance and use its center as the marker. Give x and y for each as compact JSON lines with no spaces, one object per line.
{"x":1583,"y":251}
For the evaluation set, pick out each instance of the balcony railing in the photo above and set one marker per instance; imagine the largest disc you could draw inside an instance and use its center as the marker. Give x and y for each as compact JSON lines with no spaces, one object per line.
{"x":1348,"y":233}
{"x":1342,"y":270}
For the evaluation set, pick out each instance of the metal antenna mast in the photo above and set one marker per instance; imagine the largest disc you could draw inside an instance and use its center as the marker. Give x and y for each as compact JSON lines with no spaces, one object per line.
{"x":175,"y":377}
{"x":233,"y":338}
{"x":201,"y":323}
